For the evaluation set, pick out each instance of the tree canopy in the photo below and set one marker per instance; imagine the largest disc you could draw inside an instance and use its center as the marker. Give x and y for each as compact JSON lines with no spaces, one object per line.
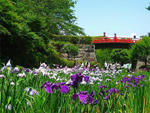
{"x":26,"y":26}
{"x":54,"y":16}
{"x":148,"y":7}
{"x":120,"y":56}
{"x":141,"y":50}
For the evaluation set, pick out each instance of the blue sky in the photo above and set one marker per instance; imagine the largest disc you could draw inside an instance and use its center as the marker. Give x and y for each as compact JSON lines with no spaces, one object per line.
{"x":124,"y":17}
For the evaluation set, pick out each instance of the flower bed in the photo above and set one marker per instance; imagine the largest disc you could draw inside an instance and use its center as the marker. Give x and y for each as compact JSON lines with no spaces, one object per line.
{"x":73,"y":90}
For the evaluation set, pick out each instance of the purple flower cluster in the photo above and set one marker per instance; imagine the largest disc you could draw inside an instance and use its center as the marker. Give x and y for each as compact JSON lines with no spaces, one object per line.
{"x":85,"y":98}
{"x":132,"y":81}
{"x":8,"y":66}
{"x":102,"y":90}
{"x":109,"y":91}
{"x":49,"y":87}
{"x":102,"y":86}
{"x":112,"y":90}
{"x":31,"y":91}
{"x":77,"y":78}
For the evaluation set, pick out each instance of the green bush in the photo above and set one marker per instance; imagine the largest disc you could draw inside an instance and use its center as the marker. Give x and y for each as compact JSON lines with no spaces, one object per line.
{"x":85,"y":40}
{"x":103,"y":55}
{"x":72,"y":39}
{"x":59,"y":44}
{"x":120,"y":56}
{"x":71,"y":50}
{"x":140,"y":51}
{"x":68,"y":63}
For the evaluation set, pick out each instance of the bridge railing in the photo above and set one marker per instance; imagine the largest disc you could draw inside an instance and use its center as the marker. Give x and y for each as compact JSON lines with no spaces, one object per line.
{"x":113,"y":40}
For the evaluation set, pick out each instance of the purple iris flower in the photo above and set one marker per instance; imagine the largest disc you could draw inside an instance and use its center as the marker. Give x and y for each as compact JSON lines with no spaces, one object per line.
{"x":44,"y":84}
{"x":133,"y":85}
{"x":16,"y":69}
{"x":129,"y":83}
{"x":64,"y":89}
{"x":58,"y":85}
{"x":86,"y":78}
{"x":27,"y":70}
{"x":100,"y":93}
{"x":2,"y":68}
{"x":55,"y":86}
{"x":90,"y":98}
{"x":133,"y":78}
{"x":102,"y":86}
{"x":125,"y":78}
{"x":84,"y":97}
{"x":103,"y":91}
{"x":121,"y":93}
{"x":75,"y":84}
{"x":109,"y":91}
{"x":33,"y":92}
{"x":74,"y":96}
{"x":141,"y":85}
{"x":8,"y":65}
{"x":73,"y":77}
{"x":136,"y":82}
{"x":106,"y":97}
{"x":76,"y":79}
{"x":50,"y":86}
{"x":129,"y":79}
{"x":92,"y":94}
{"x":48,"y":89}
{"x":113,"y":90}
{"x":142,"y":76}
{"x":95,"y":102}
{"x":79,"y":77}
{"x":34,"y":73}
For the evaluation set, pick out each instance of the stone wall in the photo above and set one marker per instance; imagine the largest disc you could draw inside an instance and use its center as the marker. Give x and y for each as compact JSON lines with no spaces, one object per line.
{"x":86,"y":52}
{"x":140,"y":63}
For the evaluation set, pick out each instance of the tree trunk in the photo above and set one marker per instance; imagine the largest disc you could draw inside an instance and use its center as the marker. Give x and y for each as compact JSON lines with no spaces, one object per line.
{"x":145,"y":62}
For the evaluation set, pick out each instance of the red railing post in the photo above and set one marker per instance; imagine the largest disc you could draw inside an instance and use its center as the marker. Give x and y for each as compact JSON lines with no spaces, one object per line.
{"x":115,"y":37}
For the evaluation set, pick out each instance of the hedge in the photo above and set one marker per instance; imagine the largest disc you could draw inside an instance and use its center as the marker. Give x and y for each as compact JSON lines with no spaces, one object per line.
{"x":72,"y":39}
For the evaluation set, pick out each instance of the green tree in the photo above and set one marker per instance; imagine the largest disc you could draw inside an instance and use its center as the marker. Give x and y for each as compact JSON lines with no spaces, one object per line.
{"x":57,"y":15}
{"x":25,"y":28}
{"x":71,"y":50}
{"x":120,"y":56}
{"x":148,"y":7}
{"x":141,"y":50}
{"x":20,"y":41}
{"x":103,"y":55}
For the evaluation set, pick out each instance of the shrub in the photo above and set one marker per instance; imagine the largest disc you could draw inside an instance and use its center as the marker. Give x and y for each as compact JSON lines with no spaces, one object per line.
{"x":71,"y":50}
{"x":85,"y":40}
{"x":59,"y":44}
{"x":103,"y":55}
{"x":120,"y":56}
{"x":140,"y":51}
{"x":72,"y":39}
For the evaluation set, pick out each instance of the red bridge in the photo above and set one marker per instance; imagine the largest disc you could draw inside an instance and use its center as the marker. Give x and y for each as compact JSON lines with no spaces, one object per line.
{"x":113,"y":42}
